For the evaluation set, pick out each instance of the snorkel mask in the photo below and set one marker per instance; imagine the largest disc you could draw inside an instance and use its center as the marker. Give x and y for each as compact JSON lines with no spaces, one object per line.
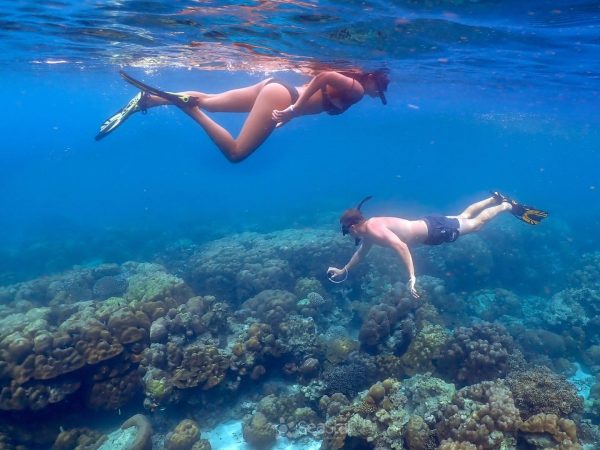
{"x":351,"y":217}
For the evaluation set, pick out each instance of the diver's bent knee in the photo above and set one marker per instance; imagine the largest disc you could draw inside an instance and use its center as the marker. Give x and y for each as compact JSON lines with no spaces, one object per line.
{"x":236,"y":158}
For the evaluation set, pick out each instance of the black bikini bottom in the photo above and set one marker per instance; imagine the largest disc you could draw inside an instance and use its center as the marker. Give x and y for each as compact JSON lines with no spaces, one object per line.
{"x":291,"y":89}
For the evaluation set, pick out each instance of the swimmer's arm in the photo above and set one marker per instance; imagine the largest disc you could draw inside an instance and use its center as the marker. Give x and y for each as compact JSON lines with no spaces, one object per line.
{"x":359,"y":254}
{"x":334,"y":272}
{"x":386,"y":237}
{"x":334,"y":79}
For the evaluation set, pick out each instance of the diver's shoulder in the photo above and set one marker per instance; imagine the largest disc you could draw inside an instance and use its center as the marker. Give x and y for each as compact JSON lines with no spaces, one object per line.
{"x":379,"y":222}
{"x":382,"y":219}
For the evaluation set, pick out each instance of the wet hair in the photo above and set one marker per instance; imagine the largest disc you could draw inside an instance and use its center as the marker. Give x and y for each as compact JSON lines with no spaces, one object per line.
{"x":352,"y":216}
{"x":380,"y":76}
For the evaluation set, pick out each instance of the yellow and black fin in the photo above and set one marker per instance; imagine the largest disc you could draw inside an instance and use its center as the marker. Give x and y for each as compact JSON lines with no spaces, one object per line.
{"x":137,"y":103}
{"x":177,"y":99}
{"x":527,"y":214}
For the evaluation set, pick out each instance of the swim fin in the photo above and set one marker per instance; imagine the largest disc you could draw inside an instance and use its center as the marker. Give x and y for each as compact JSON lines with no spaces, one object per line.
{"x":176,"y":99}
{"x":527,"y":214}
{"x":137,"y":103}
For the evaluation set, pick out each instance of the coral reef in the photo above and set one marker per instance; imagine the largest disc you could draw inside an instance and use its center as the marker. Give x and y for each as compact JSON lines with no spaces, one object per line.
{"x":491,"y":304}
{"x":258,"y":432}
{"x":240,"y":266}
{"x":468,"y":261}
{"x":256,"y":318}
{"x":143,"y":435}
{"x":389,"y":413}
{"x":563,"y":432}
{"x":305,"y":286}
{"x":386,"y":319}
{"x":134,"y":434}
{"x":183,"y":437}
{"x":483,"y":414}
{"x":424,"y":348}
{"x":314,"y":305}
{"x":539,"y":390}
{"x":348,"y":378}
{"x":78,"y":439}
{"x":477,"y":353}
{"x":271,"y":306}
{"x":168,"y":369}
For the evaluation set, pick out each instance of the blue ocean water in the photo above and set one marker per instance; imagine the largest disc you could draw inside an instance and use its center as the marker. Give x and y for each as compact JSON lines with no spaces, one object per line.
{"x":484,"y":95}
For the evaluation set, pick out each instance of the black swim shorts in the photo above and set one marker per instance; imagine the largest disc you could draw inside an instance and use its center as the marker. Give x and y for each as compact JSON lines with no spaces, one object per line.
{"x":441,"y":229}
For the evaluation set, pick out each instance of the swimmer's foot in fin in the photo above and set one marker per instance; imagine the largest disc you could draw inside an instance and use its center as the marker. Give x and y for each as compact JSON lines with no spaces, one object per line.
{"x":181,"y":100}
{"x":137,"y":103}
{"x":527,"y":214}
{"x":499,"y":197}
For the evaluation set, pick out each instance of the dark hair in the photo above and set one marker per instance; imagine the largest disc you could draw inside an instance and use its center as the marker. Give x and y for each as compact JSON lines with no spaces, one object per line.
{"x":352,"y":216}
{"x":380,"y":76}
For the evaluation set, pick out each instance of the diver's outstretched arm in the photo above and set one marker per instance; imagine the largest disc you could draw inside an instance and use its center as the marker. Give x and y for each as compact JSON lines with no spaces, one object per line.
{"x":334,"y":273}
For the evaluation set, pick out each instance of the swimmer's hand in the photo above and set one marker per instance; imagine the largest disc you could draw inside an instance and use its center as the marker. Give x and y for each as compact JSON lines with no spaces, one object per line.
{"x":411,"y":287}
{"x":281,"y":117}
{"x":337,"y":275}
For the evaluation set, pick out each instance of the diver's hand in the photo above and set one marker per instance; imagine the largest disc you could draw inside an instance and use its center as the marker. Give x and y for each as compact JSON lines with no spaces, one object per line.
{"x":333,"y":273}
{"x":411,"y":287}
{"x":281,"y":117}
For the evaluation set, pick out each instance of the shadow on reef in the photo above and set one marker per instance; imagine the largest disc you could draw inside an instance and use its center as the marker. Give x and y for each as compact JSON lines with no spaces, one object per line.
{"x":246,"y":328}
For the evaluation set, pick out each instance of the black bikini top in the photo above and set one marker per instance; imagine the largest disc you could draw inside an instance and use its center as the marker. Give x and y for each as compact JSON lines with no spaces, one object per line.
{"x":331,"y":108}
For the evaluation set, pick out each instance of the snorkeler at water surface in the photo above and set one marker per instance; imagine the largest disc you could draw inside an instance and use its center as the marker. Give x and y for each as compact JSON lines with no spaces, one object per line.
{"x":398,"y":234}
{"x":269,"y":104}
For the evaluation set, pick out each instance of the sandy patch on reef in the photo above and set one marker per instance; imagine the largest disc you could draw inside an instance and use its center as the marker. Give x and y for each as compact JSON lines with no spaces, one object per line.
{"x":228,"y":436}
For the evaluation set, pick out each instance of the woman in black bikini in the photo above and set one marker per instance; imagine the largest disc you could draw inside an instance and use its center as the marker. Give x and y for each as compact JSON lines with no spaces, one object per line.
{"x":270,"y":104}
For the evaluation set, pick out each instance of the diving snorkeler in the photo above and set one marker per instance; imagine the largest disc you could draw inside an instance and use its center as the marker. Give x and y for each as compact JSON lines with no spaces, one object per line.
{"x":269,"y":104}
{"x":398,"y":234}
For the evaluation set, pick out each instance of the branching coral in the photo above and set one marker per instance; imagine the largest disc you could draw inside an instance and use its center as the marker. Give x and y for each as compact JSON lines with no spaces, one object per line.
{"x":348,"y":378}
{"x":539,"y":390}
